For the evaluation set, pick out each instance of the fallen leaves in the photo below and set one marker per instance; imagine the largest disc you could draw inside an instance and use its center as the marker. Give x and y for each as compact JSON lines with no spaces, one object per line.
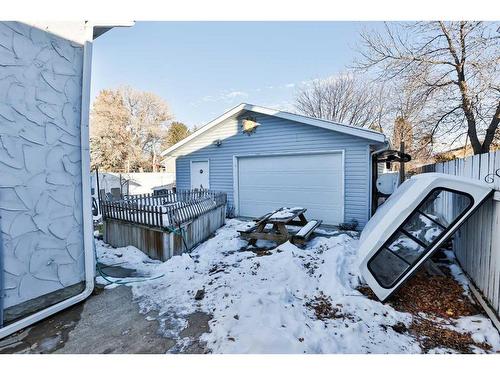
{"x":431,"y":335}
{"x":440,"y":296}
{"x":434,"y":301}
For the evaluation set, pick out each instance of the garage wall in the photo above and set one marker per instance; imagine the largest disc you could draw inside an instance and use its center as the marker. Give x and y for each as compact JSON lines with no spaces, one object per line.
{"x":278,"y":135}
{"x":40,"y":162}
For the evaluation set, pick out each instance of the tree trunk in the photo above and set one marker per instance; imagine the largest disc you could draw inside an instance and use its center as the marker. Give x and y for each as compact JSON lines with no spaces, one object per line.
{"x":468,"y":112}
{"x":154,"y":161}
{"x":490,"y":132}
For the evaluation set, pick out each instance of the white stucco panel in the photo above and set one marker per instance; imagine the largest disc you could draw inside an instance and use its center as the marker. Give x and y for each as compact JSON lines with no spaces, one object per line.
{"x":41,"y":182}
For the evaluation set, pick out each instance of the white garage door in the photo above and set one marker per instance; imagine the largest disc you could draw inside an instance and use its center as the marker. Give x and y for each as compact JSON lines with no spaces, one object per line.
{"x":313,"y":181}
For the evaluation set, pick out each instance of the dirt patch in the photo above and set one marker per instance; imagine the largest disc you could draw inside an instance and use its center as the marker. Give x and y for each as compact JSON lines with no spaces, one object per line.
{"x":262,"y":252}
{"x":198,"y":324}
{"x":324,"y":309}
{"x":259,"y":251}
{"x":367,"y":292}
{"x":217,"y":268}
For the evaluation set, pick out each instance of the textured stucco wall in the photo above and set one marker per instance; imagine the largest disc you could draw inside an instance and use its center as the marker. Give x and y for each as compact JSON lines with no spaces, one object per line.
{"x":40,"y":162}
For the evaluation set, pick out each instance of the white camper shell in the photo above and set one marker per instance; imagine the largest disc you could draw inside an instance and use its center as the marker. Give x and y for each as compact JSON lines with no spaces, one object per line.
{"x":409,"y":227}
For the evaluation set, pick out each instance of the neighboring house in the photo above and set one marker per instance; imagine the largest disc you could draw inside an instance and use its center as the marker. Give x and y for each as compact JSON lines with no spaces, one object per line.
{"x":134,"y":182}
{"x":456,"y":153}
{"x":45,"y":211}
{"x":265,"y":159}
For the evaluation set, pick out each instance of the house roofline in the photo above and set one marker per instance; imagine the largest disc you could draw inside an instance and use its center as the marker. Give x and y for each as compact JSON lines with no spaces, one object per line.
{"x":101,"y":27}
{"x":325,"y":124}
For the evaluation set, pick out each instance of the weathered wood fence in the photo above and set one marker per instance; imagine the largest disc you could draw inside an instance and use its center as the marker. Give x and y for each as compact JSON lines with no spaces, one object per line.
{"x":163,"y":225}
{"x":162,"y":210}
{"x":477,"y":243}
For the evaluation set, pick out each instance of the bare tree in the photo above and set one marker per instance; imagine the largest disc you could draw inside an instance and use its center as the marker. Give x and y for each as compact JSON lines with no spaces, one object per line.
{"x":345,"y":99}
{"x":453,"y":67}
{"x":148,"y":117}
{"x":128,"y":128}
{"x":109,"y":143}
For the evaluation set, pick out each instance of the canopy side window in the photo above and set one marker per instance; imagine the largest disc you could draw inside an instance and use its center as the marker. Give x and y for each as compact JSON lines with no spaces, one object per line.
{"x":417,"y":235}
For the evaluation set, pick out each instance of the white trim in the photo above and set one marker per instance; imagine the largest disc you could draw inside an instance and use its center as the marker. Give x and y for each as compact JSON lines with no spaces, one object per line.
{"x":171,"y":245}
{"x":490,"y":312}
{"x":325,"y":124}
{"x":370,"y":183}
{"x":111,"y":24}
{"x":88,"y":229}
{"x":190,"y":168}
{"x":108,"y":25}
{"x":236,"y":199}
{"x":86,"y":203}
{"x":236,"y":172}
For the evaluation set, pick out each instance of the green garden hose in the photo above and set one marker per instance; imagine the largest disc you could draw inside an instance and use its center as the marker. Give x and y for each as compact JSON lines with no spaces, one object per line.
{"x":179,"y":231}
{"x":119,"y":282}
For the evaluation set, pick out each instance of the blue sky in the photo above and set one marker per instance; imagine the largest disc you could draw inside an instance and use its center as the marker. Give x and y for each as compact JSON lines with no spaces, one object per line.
{"x":204,"y":68}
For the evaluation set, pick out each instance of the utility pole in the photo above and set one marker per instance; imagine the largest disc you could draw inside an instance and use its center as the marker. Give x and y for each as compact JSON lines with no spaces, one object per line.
{"x":401,"y":162}
{"x":98,"y":191}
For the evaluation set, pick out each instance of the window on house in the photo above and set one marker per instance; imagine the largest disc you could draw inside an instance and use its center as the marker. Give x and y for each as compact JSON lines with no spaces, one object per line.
{"x":417,"y":235}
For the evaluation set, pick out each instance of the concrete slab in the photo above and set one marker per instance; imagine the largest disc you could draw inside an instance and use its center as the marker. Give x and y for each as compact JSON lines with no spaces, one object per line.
{"x":107,"y":322}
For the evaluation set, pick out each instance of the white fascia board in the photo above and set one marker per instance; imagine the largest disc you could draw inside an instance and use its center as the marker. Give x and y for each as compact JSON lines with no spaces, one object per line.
{"x":347,"y":129}
{"x":77,"y":31}
{"x":108,"y":25}
{"x":325,"y":124}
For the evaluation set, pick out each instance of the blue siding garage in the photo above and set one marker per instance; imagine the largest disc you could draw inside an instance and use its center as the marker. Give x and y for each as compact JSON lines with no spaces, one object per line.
{"x":287,"y":160}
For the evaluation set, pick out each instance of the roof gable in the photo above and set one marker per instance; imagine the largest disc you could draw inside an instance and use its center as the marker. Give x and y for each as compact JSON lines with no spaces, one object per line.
{"x":325,"y":124}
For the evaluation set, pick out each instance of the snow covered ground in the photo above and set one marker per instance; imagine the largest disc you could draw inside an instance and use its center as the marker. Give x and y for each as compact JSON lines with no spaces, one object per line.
{"x":289,"y":300}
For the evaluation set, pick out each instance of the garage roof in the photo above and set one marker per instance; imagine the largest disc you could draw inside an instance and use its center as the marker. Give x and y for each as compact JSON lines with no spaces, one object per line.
{"x":325,"y":124}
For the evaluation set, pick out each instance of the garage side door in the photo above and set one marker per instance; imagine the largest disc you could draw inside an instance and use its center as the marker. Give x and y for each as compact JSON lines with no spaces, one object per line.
{"x":313,"y":181}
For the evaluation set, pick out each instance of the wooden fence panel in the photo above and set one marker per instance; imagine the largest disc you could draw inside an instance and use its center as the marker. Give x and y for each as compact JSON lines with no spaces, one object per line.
{"x":477,"y":243}
{"x":148,"y":209}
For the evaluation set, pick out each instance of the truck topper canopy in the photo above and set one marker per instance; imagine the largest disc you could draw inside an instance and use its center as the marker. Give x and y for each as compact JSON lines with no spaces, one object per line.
{"x":410,"y":226}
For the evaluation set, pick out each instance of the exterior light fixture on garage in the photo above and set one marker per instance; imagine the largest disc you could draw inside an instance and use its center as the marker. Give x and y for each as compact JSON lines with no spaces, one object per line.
{"x":217,"y":143}
{"x":249,"y":125}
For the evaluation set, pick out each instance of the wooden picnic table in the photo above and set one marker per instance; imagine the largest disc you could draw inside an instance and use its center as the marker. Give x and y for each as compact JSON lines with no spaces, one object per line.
{"x":279,"y":233}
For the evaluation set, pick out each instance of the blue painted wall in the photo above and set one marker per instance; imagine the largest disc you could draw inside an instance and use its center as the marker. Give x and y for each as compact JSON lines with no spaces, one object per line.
{"x":278,"y":135}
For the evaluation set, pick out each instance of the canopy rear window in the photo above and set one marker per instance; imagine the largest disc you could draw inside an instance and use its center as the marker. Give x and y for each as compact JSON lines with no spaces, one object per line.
{"x":417,"y":235}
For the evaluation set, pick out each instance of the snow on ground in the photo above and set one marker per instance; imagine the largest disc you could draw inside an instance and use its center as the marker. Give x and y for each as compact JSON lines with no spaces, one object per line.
{"x":285,"y":213}
{"x":457,"y":272}
{"x":262,"y":304}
